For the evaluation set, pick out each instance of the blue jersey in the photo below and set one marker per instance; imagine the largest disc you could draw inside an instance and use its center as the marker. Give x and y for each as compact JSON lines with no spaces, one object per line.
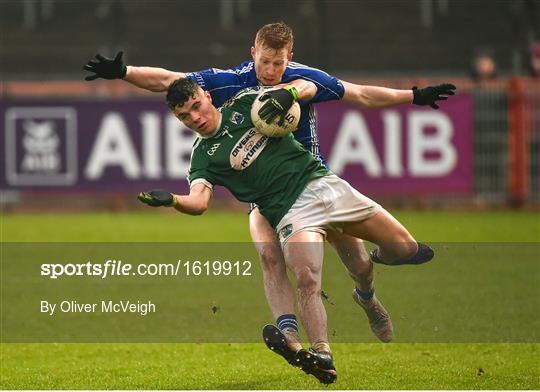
{"x":224,"y":84}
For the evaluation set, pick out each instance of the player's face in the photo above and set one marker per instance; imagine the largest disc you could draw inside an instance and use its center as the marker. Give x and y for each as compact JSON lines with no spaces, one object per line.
{"x":270,"y":64}
{"x":199,"y":114}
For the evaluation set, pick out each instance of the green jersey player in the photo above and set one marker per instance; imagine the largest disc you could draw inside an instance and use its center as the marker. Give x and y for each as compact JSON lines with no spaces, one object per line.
{"x":300,"y":198}
{"x":271,"y":172}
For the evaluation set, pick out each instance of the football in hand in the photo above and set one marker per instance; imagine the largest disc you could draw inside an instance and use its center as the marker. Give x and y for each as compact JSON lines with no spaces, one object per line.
{"x":290,"y":124}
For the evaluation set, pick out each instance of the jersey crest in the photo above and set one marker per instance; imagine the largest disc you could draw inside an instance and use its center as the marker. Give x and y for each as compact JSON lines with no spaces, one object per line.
{"x":237,"y":118}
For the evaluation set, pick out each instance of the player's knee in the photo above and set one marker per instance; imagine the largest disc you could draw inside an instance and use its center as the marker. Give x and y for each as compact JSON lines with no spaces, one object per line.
{"x":404,"y":245}
{"x":422,"y":253}
{"x":408,"y":248}
{"x":307,"y":281}
{"x":271,"y":257}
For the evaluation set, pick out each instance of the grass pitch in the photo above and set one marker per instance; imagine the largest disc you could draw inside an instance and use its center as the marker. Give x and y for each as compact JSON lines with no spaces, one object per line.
{"x":251,"y":365}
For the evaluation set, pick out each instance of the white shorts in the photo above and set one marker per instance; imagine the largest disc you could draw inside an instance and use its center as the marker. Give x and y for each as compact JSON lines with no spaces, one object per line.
{"x":326,"y":203}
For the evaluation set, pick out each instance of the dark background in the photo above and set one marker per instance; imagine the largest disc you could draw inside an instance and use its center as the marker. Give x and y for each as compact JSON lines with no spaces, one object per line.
{"x":54,"y":38}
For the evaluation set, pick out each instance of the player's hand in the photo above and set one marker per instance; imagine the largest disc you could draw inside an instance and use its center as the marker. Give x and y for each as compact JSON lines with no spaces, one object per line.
{"x":106,"y":68}
{"x":158,"y":198}
{"x":278,"y":103}
{"x":428,"y":95}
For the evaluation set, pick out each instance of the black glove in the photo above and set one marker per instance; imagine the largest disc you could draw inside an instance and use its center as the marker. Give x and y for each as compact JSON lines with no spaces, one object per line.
{"x":106,"y":68}
{"x":428,"y":95}
{"x":158,"y":198}
{"x":279,"y":103}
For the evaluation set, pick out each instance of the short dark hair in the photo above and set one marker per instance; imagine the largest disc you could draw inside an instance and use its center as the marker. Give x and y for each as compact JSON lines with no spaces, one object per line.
{"x":180,"y":91}
{"x":275,"y":36}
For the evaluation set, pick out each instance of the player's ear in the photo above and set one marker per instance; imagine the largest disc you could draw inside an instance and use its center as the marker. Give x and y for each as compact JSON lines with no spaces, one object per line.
{"x":208,"y":95}
{"x":253,"y":52}
{"x":289,"y":56}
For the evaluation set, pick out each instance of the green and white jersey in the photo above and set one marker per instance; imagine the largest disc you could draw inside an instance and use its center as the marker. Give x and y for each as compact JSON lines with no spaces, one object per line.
{"x":271,"y":172}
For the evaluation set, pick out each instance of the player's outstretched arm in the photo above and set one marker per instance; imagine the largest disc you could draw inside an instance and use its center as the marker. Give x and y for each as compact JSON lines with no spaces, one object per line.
{"x":196,"y":203}
{"x":151,"y":78}
{"x":148,"y":78}
{"x":381,"y":97}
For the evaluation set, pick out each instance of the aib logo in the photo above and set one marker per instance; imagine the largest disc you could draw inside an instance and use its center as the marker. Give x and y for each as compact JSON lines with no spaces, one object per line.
{"x":41,"y":146}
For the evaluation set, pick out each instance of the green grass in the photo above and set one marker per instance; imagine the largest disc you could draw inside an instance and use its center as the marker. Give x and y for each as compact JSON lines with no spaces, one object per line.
{"x":215,"y":226}
{"x":360,"y":365}
{"x":250,"y":366}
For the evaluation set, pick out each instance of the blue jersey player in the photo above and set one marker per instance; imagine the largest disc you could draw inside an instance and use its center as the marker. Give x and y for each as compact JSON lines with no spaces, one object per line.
{"x":271,"y":65}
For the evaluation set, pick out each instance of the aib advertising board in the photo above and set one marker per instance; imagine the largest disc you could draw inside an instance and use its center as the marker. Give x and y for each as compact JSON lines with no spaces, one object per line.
{"x":134,"y":144}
